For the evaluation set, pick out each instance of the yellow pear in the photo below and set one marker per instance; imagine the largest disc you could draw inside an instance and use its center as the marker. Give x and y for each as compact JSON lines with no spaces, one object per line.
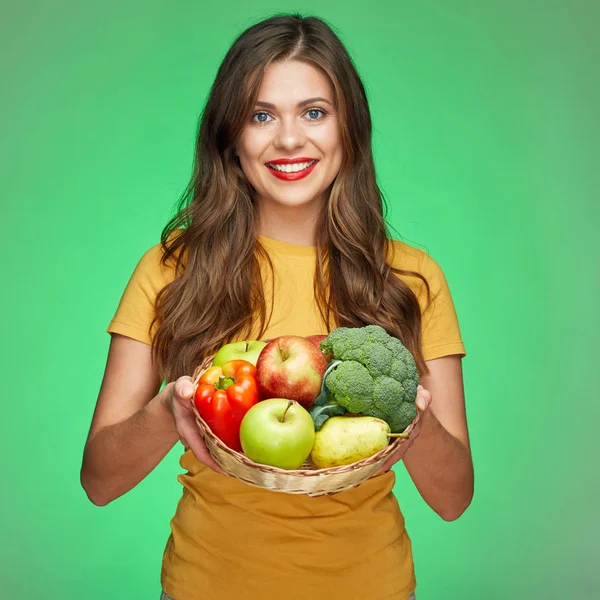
{"x":345,"y":440}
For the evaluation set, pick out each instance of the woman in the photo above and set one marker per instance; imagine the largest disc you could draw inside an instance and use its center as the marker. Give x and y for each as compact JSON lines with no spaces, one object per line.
{"x":280,"y":232}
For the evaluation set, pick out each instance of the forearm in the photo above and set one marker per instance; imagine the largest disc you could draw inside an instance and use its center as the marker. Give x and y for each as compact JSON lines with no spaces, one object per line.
{"x":119,"y":456}
{"x":442,"y":469}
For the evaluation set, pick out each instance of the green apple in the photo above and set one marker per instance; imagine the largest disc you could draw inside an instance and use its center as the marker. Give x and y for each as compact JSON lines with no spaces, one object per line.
{"x":247,"y":350}
{"x":277,"y":432}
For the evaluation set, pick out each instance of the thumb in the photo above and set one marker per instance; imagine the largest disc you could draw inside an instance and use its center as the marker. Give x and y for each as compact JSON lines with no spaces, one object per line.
{"x":184,"y":388}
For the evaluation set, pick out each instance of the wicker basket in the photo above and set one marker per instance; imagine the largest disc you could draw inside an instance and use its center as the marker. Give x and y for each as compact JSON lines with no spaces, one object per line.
{"x":307,"y":480}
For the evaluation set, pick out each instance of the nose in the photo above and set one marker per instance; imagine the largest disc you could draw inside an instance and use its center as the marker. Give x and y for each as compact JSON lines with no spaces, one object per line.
{"x":290,"y":135}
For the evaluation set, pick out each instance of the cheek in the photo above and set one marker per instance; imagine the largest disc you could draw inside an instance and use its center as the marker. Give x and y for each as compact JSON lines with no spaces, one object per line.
{"x":330,"y":141}
{"x":251,"y":146}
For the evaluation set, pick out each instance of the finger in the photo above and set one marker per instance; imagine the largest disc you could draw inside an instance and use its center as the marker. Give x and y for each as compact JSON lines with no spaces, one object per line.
{"x":196,"y":444}
{"x":203,"y":455}
{"x":415,"y":432}
{"x":423,"y":400}
{"x":392,"y":460}
{"x":184,"y":388}
{"x":387,"y":465}
{"x":384,"y":468}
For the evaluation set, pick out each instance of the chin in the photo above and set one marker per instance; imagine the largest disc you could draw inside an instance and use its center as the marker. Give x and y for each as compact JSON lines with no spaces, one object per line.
{"x":296,"y":200}
{"x":294,"y":203}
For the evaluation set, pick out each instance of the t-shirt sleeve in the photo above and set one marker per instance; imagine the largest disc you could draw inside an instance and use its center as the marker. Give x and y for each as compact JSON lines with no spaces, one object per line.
{"x":136,"y":311}
{"x":439,"y":322}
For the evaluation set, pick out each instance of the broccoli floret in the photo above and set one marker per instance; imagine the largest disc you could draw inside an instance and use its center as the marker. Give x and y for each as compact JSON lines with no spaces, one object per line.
{"x":379,"y":335}
{"x":343,"y":340}
{"x":377,"y":358}
{"x":351,"y":385}
{"x":385,"y":394}
{"x":403,"y":417}
{"x":377,"y":375}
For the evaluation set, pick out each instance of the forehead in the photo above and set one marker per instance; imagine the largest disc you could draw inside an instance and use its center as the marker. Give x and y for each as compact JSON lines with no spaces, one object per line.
{"x":291,"y":81}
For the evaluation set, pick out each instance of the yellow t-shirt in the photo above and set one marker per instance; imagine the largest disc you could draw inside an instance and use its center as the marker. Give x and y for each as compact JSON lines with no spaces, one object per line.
{"x":231,"y":541}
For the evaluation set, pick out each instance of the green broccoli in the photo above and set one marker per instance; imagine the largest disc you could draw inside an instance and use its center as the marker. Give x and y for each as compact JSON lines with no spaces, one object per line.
{"x":377,"y":375}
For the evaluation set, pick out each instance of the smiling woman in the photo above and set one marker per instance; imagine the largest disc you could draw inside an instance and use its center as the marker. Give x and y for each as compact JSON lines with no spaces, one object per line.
{"x":280,"y":232}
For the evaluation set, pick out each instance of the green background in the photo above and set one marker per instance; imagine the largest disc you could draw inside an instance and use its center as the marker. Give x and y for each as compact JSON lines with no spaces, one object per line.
{"x":486,"y":132}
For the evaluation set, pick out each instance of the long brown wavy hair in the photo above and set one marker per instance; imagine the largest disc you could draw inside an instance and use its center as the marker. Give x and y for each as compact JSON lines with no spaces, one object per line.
{"x":217,"y":295}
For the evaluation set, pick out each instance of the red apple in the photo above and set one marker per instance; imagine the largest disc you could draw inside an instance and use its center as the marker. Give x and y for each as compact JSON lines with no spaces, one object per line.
{"x":316,"y":340}
{"x":291,"y":367}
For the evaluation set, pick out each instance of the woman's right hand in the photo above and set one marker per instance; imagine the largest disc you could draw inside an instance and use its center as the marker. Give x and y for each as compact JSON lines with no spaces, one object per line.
{"x":179,"y":401}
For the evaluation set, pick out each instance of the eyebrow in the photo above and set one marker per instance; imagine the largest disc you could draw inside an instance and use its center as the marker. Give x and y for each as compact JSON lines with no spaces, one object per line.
{"x":300,"y":104}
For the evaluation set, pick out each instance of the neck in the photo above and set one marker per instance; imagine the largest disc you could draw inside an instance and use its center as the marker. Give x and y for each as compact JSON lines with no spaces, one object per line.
{"x":292,"y":224}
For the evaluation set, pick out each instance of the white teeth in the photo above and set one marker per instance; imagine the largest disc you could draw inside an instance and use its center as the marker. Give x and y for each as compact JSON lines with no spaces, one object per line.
{"x":293,"y":168}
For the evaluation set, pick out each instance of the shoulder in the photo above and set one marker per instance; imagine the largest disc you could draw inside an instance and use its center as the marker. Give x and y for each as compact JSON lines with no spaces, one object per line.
{"x":152,"y":266}
{"x":439,"y":322}
{"x":419,"y":270}
{"x":136,"y":311}
{"x":405,"y":257}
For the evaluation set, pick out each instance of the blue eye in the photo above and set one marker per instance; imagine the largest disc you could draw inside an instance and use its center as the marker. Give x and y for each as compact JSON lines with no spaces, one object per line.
{"x":315,"y":113}
{"x":260,"y":117}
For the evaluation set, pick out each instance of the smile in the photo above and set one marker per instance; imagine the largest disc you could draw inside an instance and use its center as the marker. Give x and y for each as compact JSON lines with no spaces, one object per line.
{"x":292,"y":171}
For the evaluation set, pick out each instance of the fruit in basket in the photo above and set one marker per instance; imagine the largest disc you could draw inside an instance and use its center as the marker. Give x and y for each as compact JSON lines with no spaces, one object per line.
{"x":247,"y":350}
{"x":316,"y":340}
{"x":223,"y":396}
{"x":346,"y":440}
{"x":291,"y":367}
{"x":277,"y":432}
{"x":372,"y":374}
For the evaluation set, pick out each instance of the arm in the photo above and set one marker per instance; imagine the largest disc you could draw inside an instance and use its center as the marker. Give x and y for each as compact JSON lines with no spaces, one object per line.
{"x":439,"y":459}
{"x":134,"y":426}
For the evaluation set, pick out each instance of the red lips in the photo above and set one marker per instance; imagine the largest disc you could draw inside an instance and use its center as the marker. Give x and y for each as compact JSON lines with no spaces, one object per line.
{"x":292,"y":176}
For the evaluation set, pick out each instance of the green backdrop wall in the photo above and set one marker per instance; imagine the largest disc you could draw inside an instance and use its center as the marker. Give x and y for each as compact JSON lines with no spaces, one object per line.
{"x":486,"y":132}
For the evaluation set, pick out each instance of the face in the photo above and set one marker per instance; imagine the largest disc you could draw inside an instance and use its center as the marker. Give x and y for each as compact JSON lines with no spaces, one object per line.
{"x":291,"y":149}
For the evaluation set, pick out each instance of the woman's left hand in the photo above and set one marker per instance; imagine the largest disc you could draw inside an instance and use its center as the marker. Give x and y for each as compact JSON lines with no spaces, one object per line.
{"x":422,"y":401}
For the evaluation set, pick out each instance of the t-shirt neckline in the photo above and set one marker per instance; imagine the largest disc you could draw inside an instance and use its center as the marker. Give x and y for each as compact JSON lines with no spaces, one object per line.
{"x":287,"y":248}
